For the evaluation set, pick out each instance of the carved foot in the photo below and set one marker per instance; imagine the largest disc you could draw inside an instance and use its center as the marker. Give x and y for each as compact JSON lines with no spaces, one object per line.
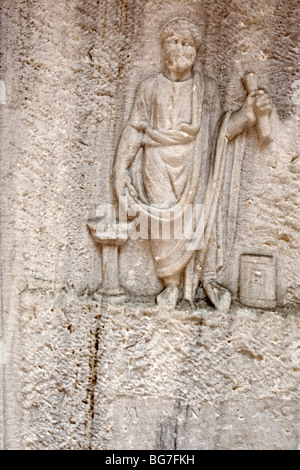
{"x":168,"y":298}
{"x":218,"y":295}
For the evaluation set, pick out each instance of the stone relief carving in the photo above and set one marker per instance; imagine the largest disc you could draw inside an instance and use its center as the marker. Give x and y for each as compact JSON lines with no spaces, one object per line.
{"x":178,"y":166}
{"x":110,"y":239}
{"x":258,"y":281}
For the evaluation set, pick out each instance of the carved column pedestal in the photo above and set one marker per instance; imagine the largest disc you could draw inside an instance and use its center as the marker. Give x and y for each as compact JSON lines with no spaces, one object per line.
{"x":111,"y":237}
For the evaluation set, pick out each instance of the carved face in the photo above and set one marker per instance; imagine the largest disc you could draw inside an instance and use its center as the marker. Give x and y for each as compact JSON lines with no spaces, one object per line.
{"x":180,"y":51}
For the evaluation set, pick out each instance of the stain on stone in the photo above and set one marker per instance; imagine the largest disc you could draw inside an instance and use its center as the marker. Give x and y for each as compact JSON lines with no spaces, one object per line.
{"x":93,"y":364}
{"x":167,"y":435}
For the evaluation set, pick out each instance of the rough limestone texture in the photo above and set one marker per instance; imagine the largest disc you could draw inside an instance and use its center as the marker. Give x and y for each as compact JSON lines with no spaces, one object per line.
{"x":76,"y":373}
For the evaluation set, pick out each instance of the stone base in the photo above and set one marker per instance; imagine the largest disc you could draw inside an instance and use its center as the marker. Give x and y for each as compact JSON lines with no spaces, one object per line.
{"x":163,"y":423}
{"x":99,"y":376}
{"x":197,"y":379}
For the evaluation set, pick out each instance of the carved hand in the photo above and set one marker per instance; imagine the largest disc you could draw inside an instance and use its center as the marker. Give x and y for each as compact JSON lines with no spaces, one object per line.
{"x":262,"y":104}
{"x":256,"y":103}
{"x":248,"y":110}
{"x":130,"y":187}
{"x":123,"y":181}
{"x":261,"y":107}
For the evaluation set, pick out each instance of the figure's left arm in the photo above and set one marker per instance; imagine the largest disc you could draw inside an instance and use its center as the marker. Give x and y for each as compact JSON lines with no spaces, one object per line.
{"x":256,"y":105}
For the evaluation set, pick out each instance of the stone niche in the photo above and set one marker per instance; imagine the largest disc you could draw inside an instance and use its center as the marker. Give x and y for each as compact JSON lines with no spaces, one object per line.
{"x":89,"y":359}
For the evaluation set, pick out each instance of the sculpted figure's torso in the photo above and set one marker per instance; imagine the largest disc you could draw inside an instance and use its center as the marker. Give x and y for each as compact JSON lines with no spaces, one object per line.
{"x":171,"y":106}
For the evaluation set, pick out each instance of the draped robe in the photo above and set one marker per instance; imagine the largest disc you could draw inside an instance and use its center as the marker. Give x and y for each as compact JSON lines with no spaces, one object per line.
{"x":183,"y":162}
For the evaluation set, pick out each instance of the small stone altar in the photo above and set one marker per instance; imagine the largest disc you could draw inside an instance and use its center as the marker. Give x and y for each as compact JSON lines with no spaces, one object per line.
{"x":110,"y":237}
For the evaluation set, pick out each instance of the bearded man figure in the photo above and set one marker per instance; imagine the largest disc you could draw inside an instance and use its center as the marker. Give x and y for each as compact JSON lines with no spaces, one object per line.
{"x":177,"y":123}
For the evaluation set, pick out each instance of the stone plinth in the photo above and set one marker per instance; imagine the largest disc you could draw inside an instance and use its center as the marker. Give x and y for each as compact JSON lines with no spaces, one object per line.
{"x":197,"y":379}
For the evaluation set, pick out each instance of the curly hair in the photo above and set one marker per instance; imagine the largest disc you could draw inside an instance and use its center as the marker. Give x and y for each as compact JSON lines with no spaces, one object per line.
{"x":181,"y":24}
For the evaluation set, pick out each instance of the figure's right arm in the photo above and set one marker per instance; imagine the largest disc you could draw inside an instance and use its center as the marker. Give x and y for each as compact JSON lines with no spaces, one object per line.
{"x":131,"y":139}
{"x":130,"y":143}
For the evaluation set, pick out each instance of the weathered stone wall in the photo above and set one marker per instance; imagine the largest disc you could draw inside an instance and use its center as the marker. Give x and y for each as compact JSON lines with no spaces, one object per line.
{"x":70,"y":371}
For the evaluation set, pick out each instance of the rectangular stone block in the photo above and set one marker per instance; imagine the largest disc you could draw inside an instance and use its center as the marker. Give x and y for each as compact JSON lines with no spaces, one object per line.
{"x":257,"y":285}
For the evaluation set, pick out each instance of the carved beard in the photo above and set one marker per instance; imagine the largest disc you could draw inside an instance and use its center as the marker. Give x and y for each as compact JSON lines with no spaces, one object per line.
{"x":180,"y":63}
